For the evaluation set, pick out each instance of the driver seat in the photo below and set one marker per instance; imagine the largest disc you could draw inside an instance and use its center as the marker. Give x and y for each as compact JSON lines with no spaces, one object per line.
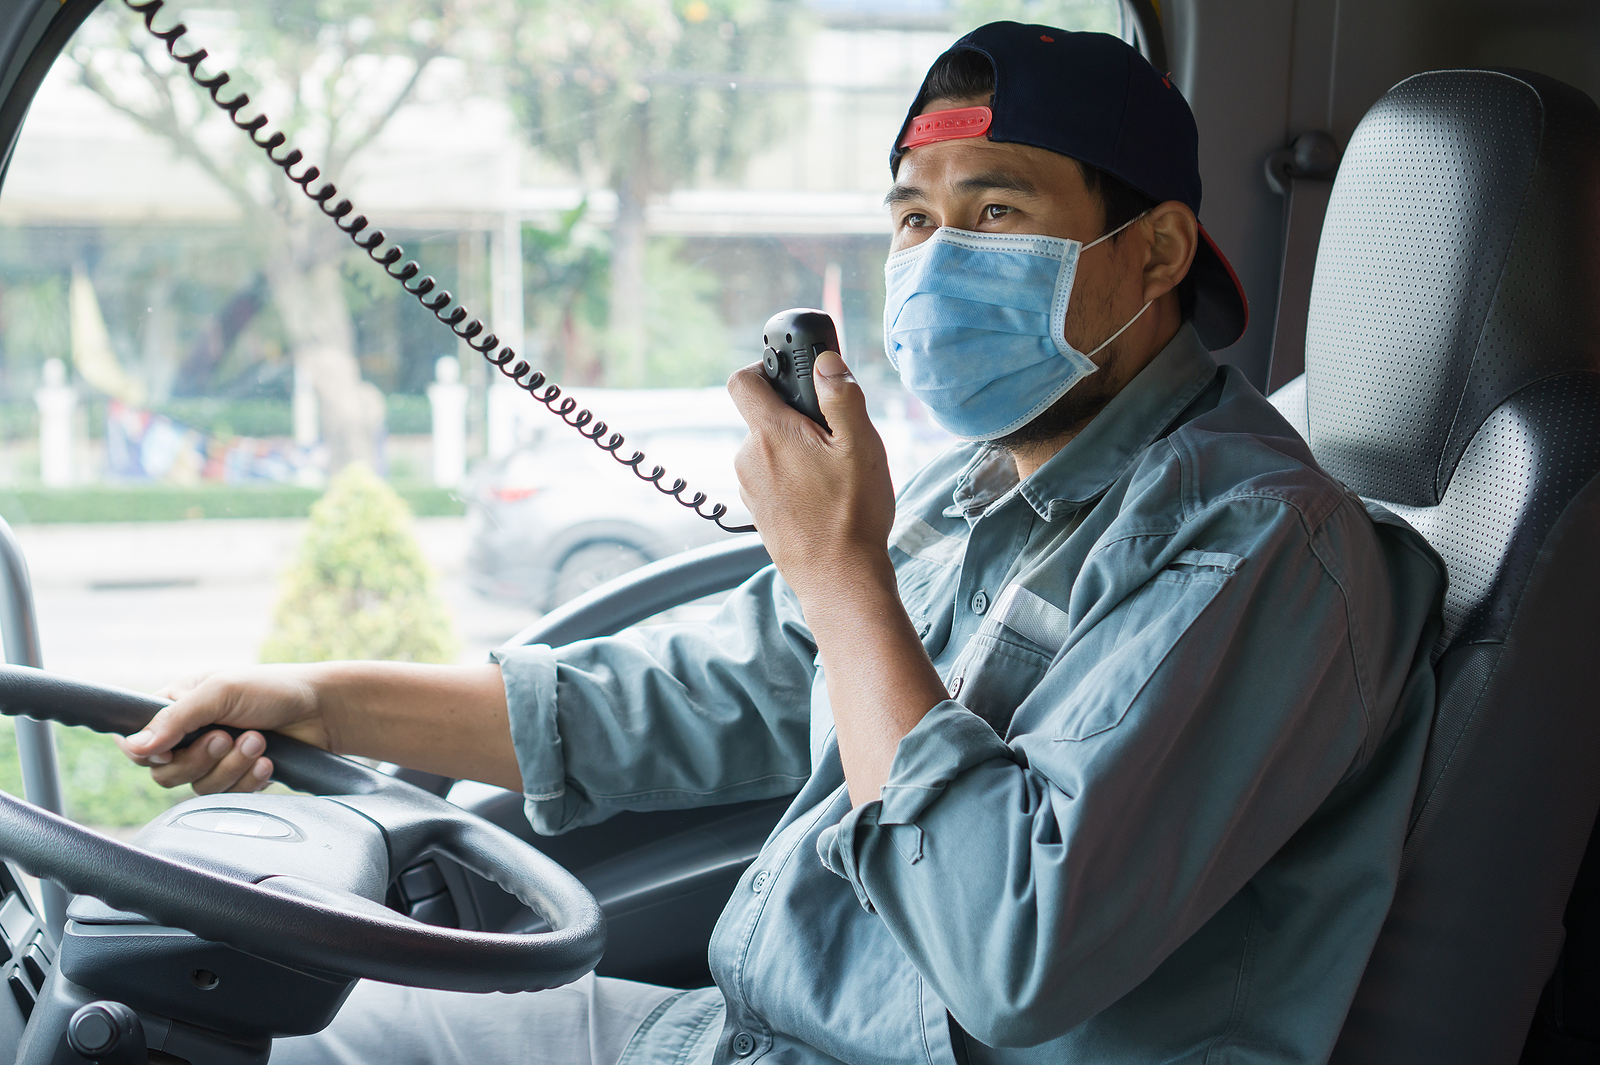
{"x":1453,"y":374}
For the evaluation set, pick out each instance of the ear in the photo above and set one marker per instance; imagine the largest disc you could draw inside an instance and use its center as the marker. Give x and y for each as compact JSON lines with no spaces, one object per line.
{"x":1174,"y":235}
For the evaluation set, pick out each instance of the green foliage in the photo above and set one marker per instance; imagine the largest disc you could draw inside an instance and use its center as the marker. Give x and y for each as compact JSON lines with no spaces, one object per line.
{"x":166,"y":291}
{"x":332,"y":74}
{"x":42,"y":506}
{"x":1102,"y":16}
{"x":566,"y":271}
{"x":101,"y":787}
{"x":688,"y":342}
{"x":231,"y":417}
{"x":33,"y":328}
{"x":647,"y":96}
{"x":323,"y":67}
{"x":408,"y":414}
{"x":360,"y":587}
{"x":19,"y":420}
{"x":565,"y":281}
{"x":628,"y":84}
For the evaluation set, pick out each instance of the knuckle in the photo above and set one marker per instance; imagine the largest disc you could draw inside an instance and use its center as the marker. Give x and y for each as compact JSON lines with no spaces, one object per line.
{"x":221,"y":690}
{"x":192,"y":764}
{"x":230,"y":764}
{"x":219,"y":779}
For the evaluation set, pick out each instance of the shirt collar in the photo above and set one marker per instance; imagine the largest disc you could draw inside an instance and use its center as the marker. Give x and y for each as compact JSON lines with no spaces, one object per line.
{"x":1107,"y":446}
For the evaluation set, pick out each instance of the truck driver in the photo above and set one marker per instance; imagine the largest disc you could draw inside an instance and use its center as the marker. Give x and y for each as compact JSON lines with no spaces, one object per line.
{"x":1102,"y":735}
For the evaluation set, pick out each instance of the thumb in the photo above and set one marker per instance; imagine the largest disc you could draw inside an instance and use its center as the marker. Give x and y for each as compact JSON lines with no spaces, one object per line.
{"x":170,"y":725}
{"x":157,"y":738}
{"x":841,"y":399}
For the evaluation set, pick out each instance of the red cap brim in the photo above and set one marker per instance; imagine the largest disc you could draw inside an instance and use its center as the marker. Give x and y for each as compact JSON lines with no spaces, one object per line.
{"x":1221,"y":310}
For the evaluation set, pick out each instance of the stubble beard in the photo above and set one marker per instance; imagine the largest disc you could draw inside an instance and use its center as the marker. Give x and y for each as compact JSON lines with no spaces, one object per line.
{"x":1067,"y":416}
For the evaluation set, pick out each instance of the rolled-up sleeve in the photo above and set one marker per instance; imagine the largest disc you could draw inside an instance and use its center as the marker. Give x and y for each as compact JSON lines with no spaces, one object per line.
{"x":667,"y":716}
{"x":1172,"y":748}
{"x":948,"y":741}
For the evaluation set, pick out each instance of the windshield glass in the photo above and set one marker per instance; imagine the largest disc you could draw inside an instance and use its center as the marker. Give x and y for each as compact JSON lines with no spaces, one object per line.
{"x":191,"y":356}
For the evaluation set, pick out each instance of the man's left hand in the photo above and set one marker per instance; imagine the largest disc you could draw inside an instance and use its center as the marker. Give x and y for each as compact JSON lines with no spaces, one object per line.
{"x":824,"y":503}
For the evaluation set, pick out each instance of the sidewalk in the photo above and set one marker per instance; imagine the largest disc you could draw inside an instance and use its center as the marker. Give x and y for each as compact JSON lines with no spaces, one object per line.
{"x":136,"y":604}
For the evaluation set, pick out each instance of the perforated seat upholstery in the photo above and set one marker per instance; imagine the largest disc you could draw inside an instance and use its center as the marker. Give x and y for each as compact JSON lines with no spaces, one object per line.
{"x":1453,"y":373}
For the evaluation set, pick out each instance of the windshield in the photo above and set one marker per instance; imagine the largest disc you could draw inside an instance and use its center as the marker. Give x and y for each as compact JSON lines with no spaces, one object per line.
{"x":191,"y":356}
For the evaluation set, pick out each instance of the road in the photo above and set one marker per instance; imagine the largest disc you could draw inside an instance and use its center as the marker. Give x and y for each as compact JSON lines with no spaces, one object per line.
{"x":138,"y":603}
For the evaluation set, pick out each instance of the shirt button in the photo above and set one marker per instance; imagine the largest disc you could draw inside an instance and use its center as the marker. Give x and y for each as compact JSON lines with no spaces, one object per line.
{"x":980,"y":601}
{"x":758,"y":883}
{"x":743,"y":1044}
{"x":955,"y":686}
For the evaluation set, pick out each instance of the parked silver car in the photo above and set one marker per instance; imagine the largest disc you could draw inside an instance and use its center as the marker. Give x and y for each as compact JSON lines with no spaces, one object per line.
{"x":558,"y":516}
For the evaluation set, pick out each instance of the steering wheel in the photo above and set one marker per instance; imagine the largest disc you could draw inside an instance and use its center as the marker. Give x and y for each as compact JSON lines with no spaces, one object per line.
{"x":325,"y":929}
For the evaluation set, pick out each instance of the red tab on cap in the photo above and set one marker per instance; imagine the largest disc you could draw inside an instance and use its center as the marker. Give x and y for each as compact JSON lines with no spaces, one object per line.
{"x":947,"y":126}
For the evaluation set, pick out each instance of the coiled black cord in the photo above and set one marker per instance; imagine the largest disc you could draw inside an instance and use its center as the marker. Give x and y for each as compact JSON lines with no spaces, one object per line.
{"x":445,"y":307}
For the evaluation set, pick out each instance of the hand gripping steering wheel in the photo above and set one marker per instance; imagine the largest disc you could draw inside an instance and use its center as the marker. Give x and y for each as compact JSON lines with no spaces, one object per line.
{"x":329,"y":929}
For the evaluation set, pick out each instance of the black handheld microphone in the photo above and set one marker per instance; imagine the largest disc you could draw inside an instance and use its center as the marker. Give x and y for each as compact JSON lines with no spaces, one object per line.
{"x":793,"y":339}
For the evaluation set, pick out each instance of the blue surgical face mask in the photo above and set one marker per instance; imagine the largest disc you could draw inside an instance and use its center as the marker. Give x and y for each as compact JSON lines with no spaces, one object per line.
{"x":973,"y":322}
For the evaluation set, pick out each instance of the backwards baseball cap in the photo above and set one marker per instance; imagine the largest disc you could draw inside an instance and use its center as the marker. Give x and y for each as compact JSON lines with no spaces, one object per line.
{"x":1093,"y":97}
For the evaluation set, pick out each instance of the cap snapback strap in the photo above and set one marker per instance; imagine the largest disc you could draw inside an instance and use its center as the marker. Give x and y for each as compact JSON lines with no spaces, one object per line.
{"x":947,"y":126}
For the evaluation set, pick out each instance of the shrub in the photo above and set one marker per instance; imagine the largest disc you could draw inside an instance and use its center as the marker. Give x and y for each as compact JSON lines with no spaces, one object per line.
{"x":160,"y":502}
{"x":359,"y":587}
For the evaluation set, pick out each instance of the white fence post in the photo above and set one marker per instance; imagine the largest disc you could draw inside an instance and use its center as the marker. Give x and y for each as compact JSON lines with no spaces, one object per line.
{"x":56,"y":400}
{"x":448,"y":398}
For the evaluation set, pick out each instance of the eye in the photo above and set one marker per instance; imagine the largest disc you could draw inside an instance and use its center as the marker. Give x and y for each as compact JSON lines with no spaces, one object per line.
{"x":996,"y":211}
{"x":914,"y":220}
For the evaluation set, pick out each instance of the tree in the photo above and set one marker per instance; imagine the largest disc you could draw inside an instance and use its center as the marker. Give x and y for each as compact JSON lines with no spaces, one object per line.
{"x":564,"y":282}
{"x":1102,"y":16}
{"x":359,"y":587}
{"x":651,"y":96}
{"x":566,"y":270}
{"x":331,"y":74}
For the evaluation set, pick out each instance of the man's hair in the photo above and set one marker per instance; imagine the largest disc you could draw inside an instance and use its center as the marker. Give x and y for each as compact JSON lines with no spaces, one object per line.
{"x":965,"y":74}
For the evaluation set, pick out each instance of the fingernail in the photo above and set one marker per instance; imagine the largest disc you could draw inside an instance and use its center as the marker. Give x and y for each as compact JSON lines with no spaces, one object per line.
{"x":261,"y":769}
{"x":140,"y":738}
{"x":252,"y":745}
{"x":217,"y":746}
{"x":831,"y":365}
{"x":160,"y":759}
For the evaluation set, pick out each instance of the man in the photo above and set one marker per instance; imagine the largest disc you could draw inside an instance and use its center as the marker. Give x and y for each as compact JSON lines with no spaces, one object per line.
{"x":1104,"y":736}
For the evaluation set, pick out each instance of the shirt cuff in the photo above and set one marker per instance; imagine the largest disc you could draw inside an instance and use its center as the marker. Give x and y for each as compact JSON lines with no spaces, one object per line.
{"x":949,"y":740}
{"x":529,"y":675}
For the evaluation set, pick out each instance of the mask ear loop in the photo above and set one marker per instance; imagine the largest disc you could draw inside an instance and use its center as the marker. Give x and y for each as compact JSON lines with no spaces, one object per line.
{"x":1146,"y":307}
{"x":1119,"y":332}
{"x":1102,"y":238}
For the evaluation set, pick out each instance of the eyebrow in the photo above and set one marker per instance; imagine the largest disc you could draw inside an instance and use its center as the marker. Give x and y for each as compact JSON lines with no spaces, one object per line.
{"x":985,"y":182}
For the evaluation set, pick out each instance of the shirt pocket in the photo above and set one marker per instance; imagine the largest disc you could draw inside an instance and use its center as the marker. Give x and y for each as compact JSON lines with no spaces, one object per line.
{"x":1134,"y":639}
{"x":994,"y":674}
{"x":1008,"y":656}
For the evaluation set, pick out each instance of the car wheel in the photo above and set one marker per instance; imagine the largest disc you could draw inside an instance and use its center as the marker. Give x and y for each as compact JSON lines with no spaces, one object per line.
{"x":591,"y":565}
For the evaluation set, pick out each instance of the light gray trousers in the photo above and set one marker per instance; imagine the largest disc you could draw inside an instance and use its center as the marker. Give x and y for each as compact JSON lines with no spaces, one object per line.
{"x":589,"y":1022}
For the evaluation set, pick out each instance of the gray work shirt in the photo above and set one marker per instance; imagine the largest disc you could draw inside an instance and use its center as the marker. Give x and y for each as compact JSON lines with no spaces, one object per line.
{"x":1159,"y":817}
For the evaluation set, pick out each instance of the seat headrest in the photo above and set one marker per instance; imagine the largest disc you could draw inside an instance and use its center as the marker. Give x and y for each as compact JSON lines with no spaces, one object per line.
{"x":1458,"y":264}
